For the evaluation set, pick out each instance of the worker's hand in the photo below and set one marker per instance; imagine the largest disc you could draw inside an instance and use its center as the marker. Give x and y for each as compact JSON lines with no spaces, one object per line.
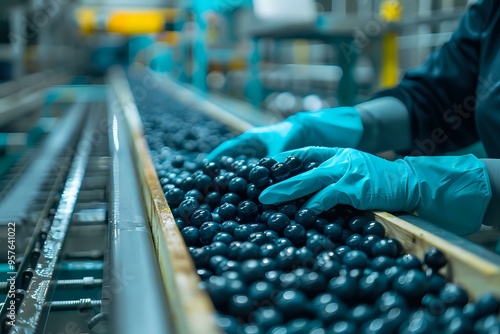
{"x":329,"y":127}
{"x":452,"y":192}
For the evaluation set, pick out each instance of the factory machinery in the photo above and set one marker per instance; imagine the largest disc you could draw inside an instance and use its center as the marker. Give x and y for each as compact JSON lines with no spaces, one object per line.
{"x":88,"y":242}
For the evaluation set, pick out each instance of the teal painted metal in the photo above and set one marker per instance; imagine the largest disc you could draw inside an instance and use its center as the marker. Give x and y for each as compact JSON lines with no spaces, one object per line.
{"x":254,"y":90}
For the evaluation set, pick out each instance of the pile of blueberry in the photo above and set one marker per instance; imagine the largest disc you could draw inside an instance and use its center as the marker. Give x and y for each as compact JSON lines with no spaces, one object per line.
{"x":281,"y":269}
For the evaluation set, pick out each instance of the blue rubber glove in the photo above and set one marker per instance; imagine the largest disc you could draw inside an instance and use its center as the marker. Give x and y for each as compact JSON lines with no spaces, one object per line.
{"x":452,"y":192}
{"x":329,"y":127}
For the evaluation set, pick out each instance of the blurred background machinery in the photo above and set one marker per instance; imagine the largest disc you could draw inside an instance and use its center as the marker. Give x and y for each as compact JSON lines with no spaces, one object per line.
{"x":262,"y":60}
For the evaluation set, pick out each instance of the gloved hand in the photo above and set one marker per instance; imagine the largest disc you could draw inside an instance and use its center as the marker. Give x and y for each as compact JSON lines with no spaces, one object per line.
{"x":329,"y":127}
{"x":452,"y":192}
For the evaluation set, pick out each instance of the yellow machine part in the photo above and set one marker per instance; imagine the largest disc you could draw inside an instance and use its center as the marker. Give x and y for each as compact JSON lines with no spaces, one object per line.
{"x":390,"y":11}
{"x":124,"y":21}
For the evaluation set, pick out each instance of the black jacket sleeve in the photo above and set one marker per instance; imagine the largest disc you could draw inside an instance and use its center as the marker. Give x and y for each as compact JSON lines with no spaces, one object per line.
{"x":440,"y":95}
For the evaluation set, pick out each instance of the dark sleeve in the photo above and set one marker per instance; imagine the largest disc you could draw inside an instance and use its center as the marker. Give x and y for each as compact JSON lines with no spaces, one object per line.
{"x":440,"y":95}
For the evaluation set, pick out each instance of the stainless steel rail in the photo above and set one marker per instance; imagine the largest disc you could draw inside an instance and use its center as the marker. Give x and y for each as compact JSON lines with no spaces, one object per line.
{"x":133,"y":282}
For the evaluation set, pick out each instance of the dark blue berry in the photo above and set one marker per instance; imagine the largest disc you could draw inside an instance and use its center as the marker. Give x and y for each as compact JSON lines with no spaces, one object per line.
{"x":374,"y":228}
{"x":248,"y":251}
{"x":191,"y":235}
{"x":259,"y":175}
{"x":269,"y":250}
{"x":435,"y":259}
{"x":306,"y":218}
{"x":199,"y":217}
{"x":231,"y":198}
{"x":355,"y":259}
{"x":212,"y":169}
{"x":188,"y":207}
{"x":227,"y":211}
{"x":248,"y":211}
{"x":280,"y":171}
{"x":267,"y":162}
{"x":294,"y":164}
{"x":278,"y":222}
{"x":296,"y":234}
{"x":238,"y":185}
{"x":174,"y":197}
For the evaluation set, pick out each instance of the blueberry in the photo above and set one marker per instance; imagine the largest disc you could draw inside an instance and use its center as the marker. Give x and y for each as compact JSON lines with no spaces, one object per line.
{"x":207,"y":232}
{"x":267,"y":317}
{"x":343,"y":327}
{"x":178,"y":161}
{"x":229,"y":226}
{"x":225,"y":161}
{"x":259,"y":175}
{"x":248,"y":251}
{"x":204,"y":273}
{"x":311,"y":166}
{"x":233,"y":249}
{"x":342,"y":250}
{"x":294,"y":164}
{"x":248,"y":211}
{"x":213,"y":199}
{"x":271,"y":235}
{"x":374,"y":228}
{"x":174,"y":197}
{"x":227,"y":211}
{"x":305,"y":257}
{"x":318,"y":243}
{"x":193,"y":193}
{"x":346,"y":233}
{"x":223,"y":237}
{"x":221,"y":290}
{"x":283,"y":243}
{"x":453,"y":295}
{"x":389,"y":300}
{"x":487,"y":304}
{"x":333,"y":232}
{"x":355,"y":259}
{"x":256,"y":227}
{"x":460,"y":325}
{"x":312,"y":283}
{"x":222,"y":182}
{"x":204,"y":184}
{"x":320,"y":224}
{"x":227,"y":266}
{"x":253,"y":192}
{"x":387,"y":247}
{"x":278,"y":222}
{"x":412,"y":284}
{"x":361,"y":313}
{"x":433,"y":304}
{"x":242,"y":232}
{"x":367,"y":244}
{"x":251,"y":270}
{"x":238,"y":185}
{"x":344,"y":287}
{"x":227,"y":323}
{"x":269,"y":250}
{"x":306,"y":218}
{"x":258,"y":238}
{"x":181,"y":223}
{"x":212,"y":169}
{"x":241,"y":305}
{"x":231,"y":198}
{"x":261,"y":291}
{"x":217,"y":260}
{"x":435,"y":259}
{"x":280,"y":171}
{"x":409,"y":261}
{"x":266,"y":214}
{"x":332,"y":312}
{"x":199,"y":217}
{"x":354,"y":241}
{"x":273,"y":277}
{"x":381,"y":263}
{"x":188,"y":207}
{"x":289,"y":209}
{"x":191,"y":235}
{"x":267,"y":162}
{"x":292,"y":303}
{"x":357,"y":224}
{"x":393,"y":272}
{"x":330,"y":269}
{"x":373,"y":286}
{"x":296,"y":234}
{"x":286,"y":258}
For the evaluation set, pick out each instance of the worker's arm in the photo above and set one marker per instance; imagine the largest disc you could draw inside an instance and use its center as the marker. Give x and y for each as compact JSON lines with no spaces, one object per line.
{"x":492,"y":216}
{"x":440,"y":95}
{"x":453,"y":192}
